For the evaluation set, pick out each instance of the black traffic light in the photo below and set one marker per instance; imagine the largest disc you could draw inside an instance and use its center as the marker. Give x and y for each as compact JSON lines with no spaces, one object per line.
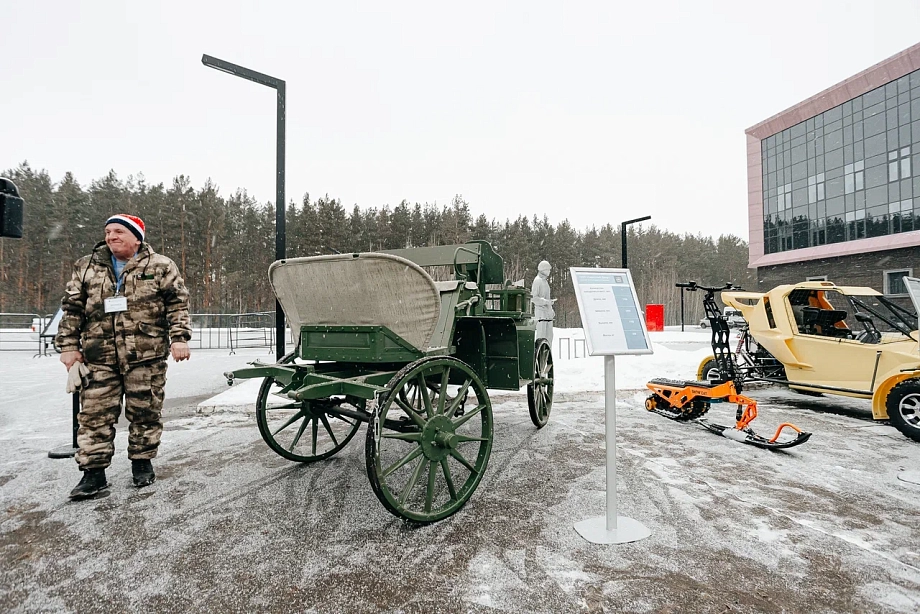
{"x":10,"y":210}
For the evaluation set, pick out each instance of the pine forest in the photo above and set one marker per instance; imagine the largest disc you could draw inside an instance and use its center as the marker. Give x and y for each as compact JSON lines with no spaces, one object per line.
{"x":223,"y":245}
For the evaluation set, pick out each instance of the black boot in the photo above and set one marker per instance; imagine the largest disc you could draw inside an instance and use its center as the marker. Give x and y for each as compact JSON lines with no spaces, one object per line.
{"x":92,"y":483}
{"x":143,"y":472}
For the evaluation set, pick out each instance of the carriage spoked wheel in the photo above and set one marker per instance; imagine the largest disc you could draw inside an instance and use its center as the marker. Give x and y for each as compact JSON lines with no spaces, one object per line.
{"x":426,"y":453}
{"x":302,"y":431}
{"x":409,"y":392}
{"x":540,"y":390}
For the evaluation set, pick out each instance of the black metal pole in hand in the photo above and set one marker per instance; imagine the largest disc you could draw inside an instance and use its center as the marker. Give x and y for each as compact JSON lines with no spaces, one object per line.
{"x":69,"y":451}
{"x":681,"y":310}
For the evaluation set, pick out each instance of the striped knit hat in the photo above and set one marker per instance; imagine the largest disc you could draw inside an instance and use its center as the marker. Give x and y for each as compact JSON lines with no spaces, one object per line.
{"x":132,"y":223}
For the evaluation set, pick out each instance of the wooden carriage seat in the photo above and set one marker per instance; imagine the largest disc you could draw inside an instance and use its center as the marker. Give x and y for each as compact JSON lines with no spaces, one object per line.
{"x":360,"y":290}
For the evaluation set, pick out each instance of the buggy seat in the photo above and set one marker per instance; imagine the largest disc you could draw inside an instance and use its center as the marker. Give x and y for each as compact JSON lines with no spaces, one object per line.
{"x":823,"y":322}
{"x":365,"y":289}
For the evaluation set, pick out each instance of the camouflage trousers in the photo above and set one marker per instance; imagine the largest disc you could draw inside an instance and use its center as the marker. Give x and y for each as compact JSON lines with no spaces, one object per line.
{"x":100,"y":406}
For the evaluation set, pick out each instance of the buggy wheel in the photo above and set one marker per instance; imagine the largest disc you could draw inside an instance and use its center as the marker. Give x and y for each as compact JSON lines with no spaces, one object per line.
{"x":709,"y":371}
{"x":302,"y":431}
{"x":429,"y":439}
{"x":903,"y":404}
{"x":540,"y":390}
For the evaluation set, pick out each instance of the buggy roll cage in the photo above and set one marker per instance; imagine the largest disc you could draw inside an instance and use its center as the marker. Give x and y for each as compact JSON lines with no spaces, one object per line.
{"x":907,"y":321}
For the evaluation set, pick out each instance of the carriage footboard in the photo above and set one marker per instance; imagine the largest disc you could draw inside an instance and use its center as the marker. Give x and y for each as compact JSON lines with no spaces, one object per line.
{"x":304,"y":383}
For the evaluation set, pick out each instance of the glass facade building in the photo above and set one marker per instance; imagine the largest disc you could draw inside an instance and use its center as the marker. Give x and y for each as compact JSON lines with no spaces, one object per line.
{"x":849,"y":173}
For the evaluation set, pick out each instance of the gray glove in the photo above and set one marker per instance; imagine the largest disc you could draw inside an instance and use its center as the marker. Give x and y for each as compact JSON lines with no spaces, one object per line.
{"x":76,"y":377}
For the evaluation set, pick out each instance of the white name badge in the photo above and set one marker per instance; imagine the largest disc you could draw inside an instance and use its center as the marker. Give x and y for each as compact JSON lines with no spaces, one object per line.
{"x":115,"y":304}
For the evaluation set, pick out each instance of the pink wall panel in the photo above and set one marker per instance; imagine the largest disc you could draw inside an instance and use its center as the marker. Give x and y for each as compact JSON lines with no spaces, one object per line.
{"x":847,"y":248}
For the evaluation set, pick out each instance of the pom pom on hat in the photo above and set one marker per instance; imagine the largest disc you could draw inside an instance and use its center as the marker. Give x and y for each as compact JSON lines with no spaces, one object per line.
{"x":132,"y":223}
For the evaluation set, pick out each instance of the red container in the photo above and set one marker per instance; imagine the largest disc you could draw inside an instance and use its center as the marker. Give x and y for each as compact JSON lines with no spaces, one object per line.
{"x":654,"y":317}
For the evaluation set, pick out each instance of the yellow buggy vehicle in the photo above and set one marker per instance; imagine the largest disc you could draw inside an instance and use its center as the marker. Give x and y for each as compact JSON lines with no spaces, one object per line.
{"x":822,"y":338}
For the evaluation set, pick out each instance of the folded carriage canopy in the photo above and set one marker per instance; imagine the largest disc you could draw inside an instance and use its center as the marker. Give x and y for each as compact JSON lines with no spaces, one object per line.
{"x":358,"y":290}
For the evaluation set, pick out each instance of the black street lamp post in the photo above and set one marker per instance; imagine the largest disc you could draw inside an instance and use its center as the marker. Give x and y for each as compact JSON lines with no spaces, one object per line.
{"x":623,"y":234}
{"x":681,"y":309}
{"x":279,"y":86}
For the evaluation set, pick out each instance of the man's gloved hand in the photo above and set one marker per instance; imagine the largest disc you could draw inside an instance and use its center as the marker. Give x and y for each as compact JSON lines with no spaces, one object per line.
{"x":70,"y":357}
{"x":76,"y":377}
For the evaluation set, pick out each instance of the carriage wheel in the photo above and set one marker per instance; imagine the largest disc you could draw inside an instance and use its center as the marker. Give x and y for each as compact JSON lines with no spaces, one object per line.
{"x":302,"y":431}
{"x":540,"y":390}
{"x":426,"y":452}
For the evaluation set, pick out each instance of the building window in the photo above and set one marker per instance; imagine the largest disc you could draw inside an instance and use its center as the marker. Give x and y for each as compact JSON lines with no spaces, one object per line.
{"x":900,"y":213}
{"x":894,"y":281}
{"x":899,"y":165}
{"x":784,"y":197}
{"x":816,"y":188}
{"x":856,"y":224}
{"x":816,"y":278}
{"x":853,"y":177}
{"x":845,"y":174}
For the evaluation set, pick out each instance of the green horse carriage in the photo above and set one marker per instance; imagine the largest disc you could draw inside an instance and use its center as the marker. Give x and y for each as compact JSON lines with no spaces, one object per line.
{"x":380,"y":342}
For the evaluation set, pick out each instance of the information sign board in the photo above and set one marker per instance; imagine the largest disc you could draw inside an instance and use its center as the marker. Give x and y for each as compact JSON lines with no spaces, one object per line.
{"x":610,"y":312}
{"x":613,"y":325}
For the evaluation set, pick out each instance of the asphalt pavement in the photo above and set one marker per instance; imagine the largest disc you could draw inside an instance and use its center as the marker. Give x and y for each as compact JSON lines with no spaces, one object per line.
{"x":229,"y":526}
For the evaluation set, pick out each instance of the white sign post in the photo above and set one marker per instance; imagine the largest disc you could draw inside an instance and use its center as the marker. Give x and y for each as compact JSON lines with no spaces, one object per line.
{"x":613,"y":325}
{"x":913,"y":290}
{"x":912,"y":284}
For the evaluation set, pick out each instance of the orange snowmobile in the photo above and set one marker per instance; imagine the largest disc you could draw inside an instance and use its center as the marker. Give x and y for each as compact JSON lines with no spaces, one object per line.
{"x":690,"y":400}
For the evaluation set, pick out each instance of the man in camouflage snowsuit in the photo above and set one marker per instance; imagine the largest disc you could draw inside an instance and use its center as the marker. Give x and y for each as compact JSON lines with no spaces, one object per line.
{"x":125,"y":310}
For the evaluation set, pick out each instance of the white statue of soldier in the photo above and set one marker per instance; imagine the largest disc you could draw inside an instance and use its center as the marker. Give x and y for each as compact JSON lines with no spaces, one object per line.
{"x":542,"y":303}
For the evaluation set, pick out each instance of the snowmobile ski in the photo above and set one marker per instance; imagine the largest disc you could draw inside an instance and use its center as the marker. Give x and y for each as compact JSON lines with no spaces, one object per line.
{"x":748,"y":436}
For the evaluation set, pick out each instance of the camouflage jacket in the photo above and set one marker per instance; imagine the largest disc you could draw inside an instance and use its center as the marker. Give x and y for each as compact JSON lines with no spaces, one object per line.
{"x":157,"y":314}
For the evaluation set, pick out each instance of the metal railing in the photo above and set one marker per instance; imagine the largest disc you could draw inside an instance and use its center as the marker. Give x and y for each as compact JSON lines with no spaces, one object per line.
{"x":230,"y":331}
{"x":22,"y":331}
{"x":570,"y":343}
{"x":233,"y":330}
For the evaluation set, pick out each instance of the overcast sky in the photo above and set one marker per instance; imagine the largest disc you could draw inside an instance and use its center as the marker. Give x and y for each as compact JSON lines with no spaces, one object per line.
{"x":595,"y":112}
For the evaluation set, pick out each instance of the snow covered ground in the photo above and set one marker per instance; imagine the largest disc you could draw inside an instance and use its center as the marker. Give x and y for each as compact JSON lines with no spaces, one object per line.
{"x":677,"y":355}
{"x":831,"y":526}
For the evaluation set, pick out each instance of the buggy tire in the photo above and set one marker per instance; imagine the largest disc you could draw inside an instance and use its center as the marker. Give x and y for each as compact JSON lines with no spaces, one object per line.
{"x":903,"y":405}
{"x":540,"y":392}
{"x":709,"y":371}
